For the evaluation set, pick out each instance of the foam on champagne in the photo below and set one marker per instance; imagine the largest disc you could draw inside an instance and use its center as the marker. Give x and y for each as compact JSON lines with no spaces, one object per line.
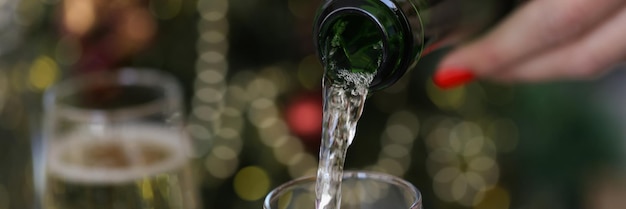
{"x":117,"y":155}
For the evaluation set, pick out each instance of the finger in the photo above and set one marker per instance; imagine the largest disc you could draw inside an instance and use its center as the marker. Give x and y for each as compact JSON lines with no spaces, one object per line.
{"x":584,"y":59}
{"x":537,"y":25}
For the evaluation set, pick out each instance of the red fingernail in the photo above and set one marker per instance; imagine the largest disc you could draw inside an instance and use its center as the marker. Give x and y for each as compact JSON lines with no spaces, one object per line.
{"x":452,"y":77}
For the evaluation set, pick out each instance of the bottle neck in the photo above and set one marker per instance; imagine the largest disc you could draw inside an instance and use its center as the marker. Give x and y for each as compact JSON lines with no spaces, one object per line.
{"x":369,"y":36}
{"x":387,"y":37}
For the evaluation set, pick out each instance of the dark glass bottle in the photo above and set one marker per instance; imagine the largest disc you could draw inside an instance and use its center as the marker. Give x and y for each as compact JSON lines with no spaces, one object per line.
{"x":387,"y":37}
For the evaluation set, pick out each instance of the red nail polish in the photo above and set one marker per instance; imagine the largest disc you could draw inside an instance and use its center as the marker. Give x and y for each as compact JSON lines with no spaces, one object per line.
{"x":452,"y":77}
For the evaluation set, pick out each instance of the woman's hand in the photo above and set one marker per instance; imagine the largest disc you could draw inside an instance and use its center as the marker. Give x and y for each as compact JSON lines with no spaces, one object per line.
{"x":543,"y":40}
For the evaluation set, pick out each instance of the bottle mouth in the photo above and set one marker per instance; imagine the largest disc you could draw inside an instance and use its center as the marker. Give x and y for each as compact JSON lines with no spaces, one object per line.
{"x":351,"y":39}
{"x":366,"y":36}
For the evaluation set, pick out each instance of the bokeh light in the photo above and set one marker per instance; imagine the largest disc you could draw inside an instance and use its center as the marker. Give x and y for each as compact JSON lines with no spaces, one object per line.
{"x":213,"y":37}
{"x":495,"y":198}
{"x":219,"y":168}
{"x":262,"y":110}
{"x":397,"y":139}
{"x":213,"y":10}
{"x":310,"y":71}
{"x":461,"y":161}
{"x":43,"y":72}
{"x":288,"y":150}
{"x":209,"y":95}
{"x":224,"y":152}
{"x":216,"y":124}
{"x":80,"y":16}
{"x":304,"y":116}
{"x":275,"y":135}
{"x":212,"y":57}
{"x":211,"y":76}
{"x":305,"y":165}
{"x":251,"y":183}
{"x":262,"y":87}
{"x":446,"y":99}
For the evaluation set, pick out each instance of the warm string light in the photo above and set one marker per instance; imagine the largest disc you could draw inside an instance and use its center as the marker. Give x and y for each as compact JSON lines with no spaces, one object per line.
{"x":397,"y":142}
{"x":218,"y":145}
{"x":271,"y":127}
{"x":462,"y":162}
{"x":220,"y":107}
{"x":462,"y":158}
{"x":254,"y":92}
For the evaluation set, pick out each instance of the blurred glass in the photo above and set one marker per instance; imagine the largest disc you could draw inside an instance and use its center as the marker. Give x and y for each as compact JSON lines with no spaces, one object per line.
{"x":115,"y":140}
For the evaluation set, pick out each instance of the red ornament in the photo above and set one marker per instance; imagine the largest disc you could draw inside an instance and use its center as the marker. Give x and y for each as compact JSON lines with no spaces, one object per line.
{"x":304,"y":116}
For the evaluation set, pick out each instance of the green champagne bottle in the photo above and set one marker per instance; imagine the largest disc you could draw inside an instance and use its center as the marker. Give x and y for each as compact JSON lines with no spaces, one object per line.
{"x":387,"y":37}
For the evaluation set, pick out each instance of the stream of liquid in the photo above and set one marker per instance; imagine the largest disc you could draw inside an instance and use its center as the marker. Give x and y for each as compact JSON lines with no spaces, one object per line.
{"x":344,"y":98}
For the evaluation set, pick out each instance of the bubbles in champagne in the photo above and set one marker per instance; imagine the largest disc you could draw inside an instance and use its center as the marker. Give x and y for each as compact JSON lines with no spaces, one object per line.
{"x":120,"y":155}
{"x":361,"y":81}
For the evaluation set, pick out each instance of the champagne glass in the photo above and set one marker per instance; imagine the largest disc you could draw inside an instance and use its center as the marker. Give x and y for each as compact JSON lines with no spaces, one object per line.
{"x":359,"y":189}
{"x":115,"y":140}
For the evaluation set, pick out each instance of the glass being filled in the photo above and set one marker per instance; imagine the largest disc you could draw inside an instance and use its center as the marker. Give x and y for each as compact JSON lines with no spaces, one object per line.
{"x":360,"y":190}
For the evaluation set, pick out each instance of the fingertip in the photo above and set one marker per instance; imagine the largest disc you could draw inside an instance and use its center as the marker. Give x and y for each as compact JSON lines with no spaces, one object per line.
{"x":447,"y":78}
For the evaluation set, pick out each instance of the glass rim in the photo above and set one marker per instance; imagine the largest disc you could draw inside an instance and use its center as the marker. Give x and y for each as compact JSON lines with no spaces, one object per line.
{"x":355,"y":174}
{"x":126,"y":76}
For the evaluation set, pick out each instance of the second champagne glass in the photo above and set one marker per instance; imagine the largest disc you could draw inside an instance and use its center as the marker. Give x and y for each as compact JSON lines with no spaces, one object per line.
{"x":115,"y":140}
